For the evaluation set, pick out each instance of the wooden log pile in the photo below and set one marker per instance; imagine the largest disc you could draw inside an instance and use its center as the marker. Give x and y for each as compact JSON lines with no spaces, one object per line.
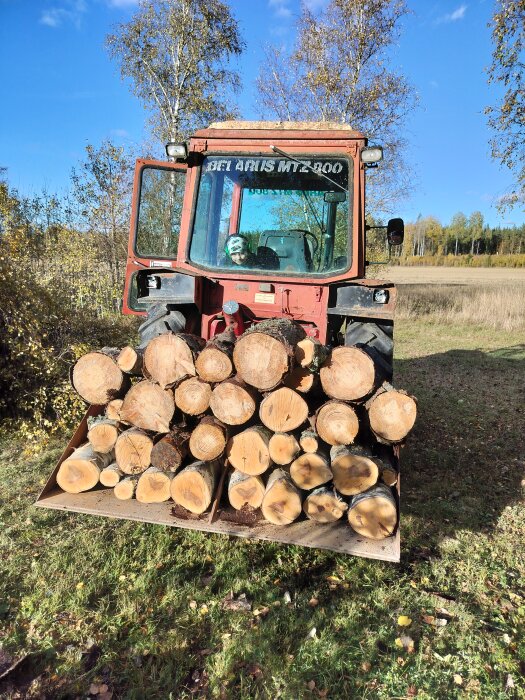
{"x":272,"y":421}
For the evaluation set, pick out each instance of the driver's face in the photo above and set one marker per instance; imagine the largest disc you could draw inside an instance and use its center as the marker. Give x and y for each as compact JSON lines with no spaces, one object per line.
{"x":239,"y":258}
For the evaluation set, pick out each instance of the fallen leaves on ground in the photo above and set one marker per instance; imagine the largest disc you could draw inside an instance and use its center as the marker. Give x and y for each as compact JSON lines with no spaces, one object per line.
{"x":239,"y":604}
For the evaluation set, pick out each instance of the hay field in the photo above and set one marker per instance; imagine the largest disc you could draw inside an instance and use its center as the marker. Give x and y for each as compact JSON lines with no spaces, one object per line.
{"x":452,"y":275}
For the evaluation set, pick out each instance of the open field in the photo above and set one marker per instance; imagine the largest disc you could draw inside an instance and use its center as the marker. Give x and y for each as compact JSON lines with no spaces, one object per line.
{"x":146,"y":610}
{"x":452,"y":275}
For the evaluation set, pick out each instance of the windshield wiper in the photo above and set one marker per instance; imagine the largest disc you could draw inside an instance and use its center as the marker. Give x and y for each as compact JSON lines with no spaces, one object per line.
{"x":308,"y":167}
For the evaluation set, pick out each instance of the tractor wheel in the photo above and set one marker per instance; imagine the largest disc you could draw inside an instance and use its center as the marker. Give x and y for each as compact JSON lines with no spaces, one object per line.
{"x":161,"y":319}
{"x":377,"y":335}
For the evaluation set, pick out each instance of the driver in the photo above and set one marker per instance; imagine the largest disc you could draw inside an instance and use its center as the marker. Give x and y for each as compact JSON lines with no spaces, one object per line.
{"x":238,"y":250}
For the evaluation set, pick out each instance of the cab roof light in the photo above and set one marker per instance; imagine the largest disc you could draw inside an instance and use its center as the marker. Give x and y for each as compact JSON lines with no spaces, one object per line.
{"x":176,"y":151}
{"x":374,"y":154}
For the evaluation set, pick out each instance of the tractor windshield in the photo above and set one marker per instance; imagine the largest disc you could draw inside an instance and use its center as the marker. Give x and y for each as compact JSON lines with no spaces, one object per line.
{"x":273,"y":214}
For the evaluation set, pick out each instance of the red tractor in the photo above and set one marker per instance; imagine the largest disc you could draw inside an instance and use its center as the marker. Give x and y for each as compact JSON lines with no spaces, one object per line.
{"x":256,"y":220}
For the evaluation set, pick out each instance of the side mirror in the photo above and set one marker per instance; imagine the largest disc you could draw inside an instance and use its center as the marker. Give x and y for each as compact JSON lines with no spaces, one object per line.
{"x":395,"y":231}
{"x":334,"y":197}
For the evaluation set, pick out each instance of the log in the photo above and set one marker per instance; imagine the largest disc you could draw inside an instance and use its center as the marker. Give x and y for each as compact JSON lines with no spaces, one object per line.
{"x":350,"y":374}
{"x":283,"y":447}
{"x":283,"y":410}
{"x":193,"y":487}
{"x":233,"y":402}
{"x":130,"y":360}
{"x":324,"y":505}
{"x":281,"y":503}
{"x":133,"y":451}
{"x":102,"y":434}
{"x":154,"y":486}
{"x":113,"y":409}
{"x":337,"y":423}
{"x":111,"y":475}
{"x":81,"y":471}
{"x":245,"y":490}
{"x":301,"y":380}
{"x":125,"y":489}
{"x":310,"y":354}
{"x":388,"y":475}
{"x":310,"y":470}
{"x":373,"y":514}
{"x":97,"y":377}
{"x":149,"y":407}
{"x":355,"y":469}
{"x":170,"y":357}
{"x":169,"y":452}
{"x":264,"y":353}
{"x":391,"y":414}
{"x":249,"y":451}
{"x":215,"y":363}
{"x":208,"y":440}
{"x":309,"y":441}
{"x":193,"y":396}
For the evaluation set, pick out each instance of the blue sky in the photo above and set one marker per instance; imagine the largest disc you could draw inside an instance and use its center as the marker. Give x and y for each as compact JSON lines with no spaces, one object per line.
{"x":60,"y":91}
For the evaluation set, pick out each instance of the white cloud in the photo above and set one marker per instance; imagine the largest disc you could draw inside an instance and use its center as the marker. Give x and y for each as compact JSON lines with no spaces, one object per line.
{"x":315,"y":5}
{"x":280,"y":8}
{"x":458,"y":14}
{"x":72,"y":11}
{"x":122,"y":3}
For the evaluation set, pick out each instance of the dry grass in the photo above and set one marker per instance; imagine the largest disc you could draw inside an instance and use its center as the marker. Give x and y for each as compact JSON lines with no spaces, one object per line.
{"x":496,"y":307}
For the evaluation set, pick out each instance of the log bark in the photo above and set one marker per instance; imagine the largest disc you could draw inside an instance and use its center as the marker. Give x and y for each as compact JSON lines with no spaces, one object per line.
{"x":133,"y":451}
{"x":249,"y":451}
{"x":170,"y":357}
{"x":113,"y":409}
{"x":192,"y":396}
{"x":208,"y":440}
{"x":283,"y":410}
{"x":350,"y":374}
{"x":301,"y":380}
{"x":283,"y":448}
{"x":388,"y":475}
{"x":125,"y":489}
{"x":154,"y":486}
{"x":310,"y":470}
{"x":193,"y":487}
{"x":337,"y":423}
{"x":130,"y":360}
{"x":309,"y":441}
{"x":355,"y":469}
{"x":111,"y":475}
{"x":81,"y":471}
{"x":374,"y":514}
{"x":324,"y":505}
{"x":310,"y":354}
{"x":169,"y":452}
{"x":391,"y":414}
{"x":245,"y":490}
{"x":281,"y":503}
{"x":97,"y":377}
{"x":233,"y":402}
{"x":215,"y":363}
{"x":264,"y":353}
{"x":102,"y":434}
{"x":149,"y":407}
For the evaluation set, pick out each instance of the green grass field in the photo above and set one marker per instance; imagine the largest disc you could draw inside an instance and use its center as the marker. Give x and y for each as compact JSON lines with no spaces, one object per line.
{"x":111,"y":608}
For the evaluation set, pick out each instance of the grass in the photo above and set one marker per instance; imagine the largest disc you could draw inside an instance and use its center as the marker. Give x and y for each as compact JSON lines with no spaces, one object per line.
{"x":142,"y":608}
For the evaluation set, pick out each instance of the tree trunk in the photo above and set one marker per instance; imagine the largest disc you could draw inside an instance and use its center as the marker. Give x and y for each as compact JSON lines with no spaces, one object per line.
{"x":391,"y":414}
{"x":354,"y":469}
{"x":233,"y":402}
{"x":113,"y":409}
{"x":373,"y":514}
{"x":193,"y":396}
{"x":208,"y":440}
{"x":170,"y":357}
{"x":324,"y":505}
{"x":337,"y":423}
{"x":283,"y":410}
{"x":301,"y":380}
{"x":193,"y":487}
{"x":149,"y":407}
{"x":283,"y":448}
{"x":265,"y":352}
{"x":309,"y":441}
{"x":281,"y":504}
{"x":249,"y":451}
{"x":350,"y":374}
{"x":81,"y":471}
{"x":97,"y":377}
{"x":102,"y":434}
{"x":111,"y":475}
{"x":310,"y":470}
{"x":130,"y":360}
{"x":310,"y":354}
{"x":154,"y":486}
{"x":133,"y":451}
{"x":245,"y":490}
{"x":215,"y":363}
{"x":125,"y":489}
{"x":169,"y":452}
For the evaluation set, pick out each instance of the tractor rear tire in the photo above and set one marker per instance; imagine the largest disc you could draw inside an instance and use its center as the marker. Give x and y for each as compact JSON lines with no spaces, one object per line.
{"x":161,"y":319}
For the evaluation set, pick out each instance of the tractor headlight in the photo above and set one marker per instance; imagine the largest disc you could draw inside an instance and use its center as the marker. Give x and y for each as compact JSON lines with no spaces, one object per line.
{"x":380,"y":296}
{"x":176,"y":151}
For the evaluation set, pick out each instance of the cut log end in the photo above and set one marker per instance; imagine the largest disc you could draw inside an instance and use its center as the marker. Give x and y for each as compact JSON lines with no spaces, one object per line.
{"x":103,"y":435}
{"x":125,"y":489}
{"x":281,"y":504}
{"x":133,"y":451}
{"x":373,"y":514}
{"x":283,"y":448}
{"x":309,"y":441}
{"x":349,"y":374}
{"x":98,"y":379}
{"x":353,"y":473}
{"x":310,"y":470}
{"x":392,"y":415}
{"x":324,"y":505}
{"x":245,"y":490}
{"x":170,"y":357}
{"x":213,"y":365}
{"x":193,"y":487}
{"x":249,"y":451}
{"x":208,"y":440}
{"x":283,"y":410}
{"x":337,"y":423}
{"x":154,"y":486}
{"x":233,"y":403}
{"x":111,"y":475}
{"x":149,"y":407}
{"x":192,"y":396}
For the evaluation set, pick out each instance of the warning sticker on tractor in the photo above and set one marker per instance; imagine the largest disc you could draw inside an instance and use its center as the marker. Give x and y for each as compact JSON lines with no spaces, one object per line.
{"x":160,"y":263}
{"x":264,"y":298}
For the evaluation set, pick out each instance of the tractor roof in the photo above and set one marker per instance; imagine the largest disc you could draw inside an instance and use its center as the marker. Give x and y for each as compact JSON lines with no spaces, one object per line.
{"x":337,"y":129}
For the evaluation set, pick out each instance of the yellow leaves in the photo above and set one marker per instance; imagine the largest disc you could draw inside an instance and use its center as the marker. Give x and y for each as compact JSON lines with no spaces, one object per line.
{"x":405,"y":642}
{"x":80,"y":585}
{"x":458,"y":680}
{"x":404,"y":621}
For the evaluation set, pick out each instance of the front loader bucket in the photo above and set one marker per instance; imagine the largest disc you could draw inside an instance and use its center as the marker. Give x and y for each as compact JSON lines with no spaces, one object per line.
{"x":336,"y":537}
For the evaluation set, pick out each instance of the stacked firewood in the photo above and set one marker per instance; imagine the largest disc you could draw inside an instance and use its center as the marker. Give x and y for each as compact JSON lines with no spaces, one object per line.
{"x":274,"y":418}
